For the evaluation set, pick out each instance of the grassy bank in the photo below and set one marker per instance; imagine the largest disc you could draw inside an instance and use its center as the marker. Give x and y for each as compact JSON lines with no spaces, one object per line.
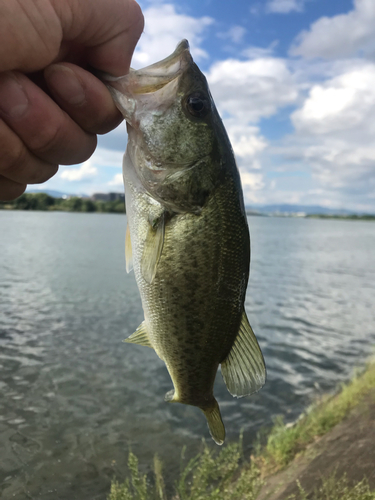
{"x":226,"y":474}
{"x":283,"y":443}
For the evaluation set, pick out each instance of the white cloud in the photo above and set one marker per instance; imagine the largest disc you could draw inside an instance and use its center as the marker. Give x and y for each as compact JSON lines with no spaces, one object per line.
{"x":164,"y":29}
{"x":254,"y":52}
{"x":104,"y":157}
{"x":252,"y":183}
{"x":248,"y":144}
{"x":343,"y":35}
{"x":334,"y":139}
{"x":284,"y":6}
{"x":346,"y":102}
{"x":84,"y":172}
{"x":235,"y":34}
{"x":252,"y":89}
{"x":245,"y":139}
{"x":245,"y":92}
{"x":117,"y":181}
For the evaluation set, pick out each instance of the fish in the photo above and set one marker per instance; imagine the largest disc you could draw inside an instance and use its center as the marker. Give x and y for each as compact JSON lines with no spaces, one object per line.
{"x":187,"y":236}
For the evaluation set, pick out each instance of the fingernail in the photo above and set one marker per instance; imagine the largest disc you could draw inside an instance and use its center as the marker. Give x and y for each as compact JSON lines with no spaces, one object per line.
{"x":13,"y":100}
{"x":64,"y":82}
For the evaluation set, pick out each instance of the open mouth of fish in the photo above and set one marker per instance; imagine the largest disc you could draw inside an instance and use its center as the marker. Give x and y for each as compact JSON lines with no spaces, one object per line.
{"x":149,"y":90}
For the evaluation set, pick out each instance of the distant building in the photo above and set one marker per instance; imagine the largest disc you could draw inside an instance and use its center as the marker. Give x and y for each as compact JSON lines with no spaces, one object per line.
{"x":108,"y":197}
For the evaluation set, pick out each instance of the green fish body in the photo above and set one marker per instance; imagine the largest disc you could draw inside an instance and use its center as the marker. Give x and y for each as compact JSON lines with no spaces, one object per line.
{"x":187,"y":236}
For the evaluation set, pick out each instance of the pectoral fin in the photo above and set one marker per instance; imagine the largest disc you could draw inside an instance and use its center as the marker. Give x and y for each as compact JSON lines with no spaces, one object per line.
{"x":243,"y":370}
{"x":140,"y":336}
{"x":153,"y":248}
{"x":128,"y":251}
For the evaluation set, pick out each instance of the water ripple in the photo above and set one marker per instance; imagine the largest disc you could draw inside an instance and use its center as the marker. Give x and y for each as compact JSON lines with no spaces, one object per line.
{"x":74,"y":398}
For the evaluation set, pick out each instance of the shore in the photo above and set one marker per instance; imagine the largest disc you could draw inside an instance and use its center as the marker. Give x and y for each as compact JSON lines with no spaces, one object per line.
{"x":348,"y":450}
{"x":328,"y":454}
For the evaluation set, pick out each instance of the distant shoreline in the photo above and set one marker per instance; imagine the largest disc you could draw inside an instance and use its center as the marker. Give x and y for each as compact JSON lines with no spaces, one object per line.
{"x":46,"y":203}
{"x":367,"y":217}
{"x":341,"y":217}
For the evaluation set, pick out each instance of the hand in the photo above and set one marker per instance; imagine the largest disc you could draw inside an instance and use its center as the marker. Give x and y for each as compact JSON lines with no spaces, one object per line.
{"x":51,"y":107}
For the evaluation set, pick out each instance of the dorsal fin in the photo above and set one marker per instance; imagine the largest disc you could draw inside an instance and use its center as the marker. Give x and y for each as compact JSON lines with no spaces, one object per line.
{"x":128,"y":251}
{"x":152,"y":248}
{"x":243,"y":370}
{"x":140,"y":336}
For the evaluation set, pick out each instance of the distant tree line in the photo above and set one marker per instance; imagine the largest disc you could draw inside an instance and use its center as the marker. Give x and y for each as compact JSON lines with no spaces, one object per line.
{"x":342,"y":217}
{"x":43,"y":201}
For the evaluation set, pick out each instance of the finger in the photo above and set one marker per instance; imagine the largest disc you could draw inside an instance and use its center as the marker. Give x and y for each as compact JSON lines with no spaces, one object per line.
{"x":35,"y":32}
{"x":109,"y":34}
{"x":31,"y":34}
{"x":46,"y":130}
{"x":85,"y":98}
{"x":17,"y":164}
{"x":10,"y":190}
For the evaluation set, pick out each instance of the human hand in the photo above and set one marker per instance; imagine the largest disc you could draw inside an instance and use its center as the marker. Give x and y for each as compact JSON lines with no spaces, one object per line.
{"x":51,"y":107}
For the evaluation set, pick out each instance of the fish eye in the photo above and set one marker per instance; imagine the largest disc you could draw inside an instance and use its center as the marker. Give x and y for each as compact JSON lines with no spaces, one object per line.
{"x":198,"y":104}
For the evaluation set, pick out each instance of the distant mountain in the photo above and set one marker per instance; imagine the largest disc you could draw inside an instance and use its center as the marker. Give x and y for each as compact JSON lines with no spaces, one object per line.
{"x":293,"y":209}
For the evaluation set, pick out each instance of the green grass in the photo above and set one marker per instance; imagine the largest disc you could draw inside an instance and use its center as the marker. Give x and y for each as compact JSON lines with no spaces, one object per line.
{"x":334,"y":488}
{"x":284,"y":443}
{"x":225,"y":474}
{"x":211,"y":475}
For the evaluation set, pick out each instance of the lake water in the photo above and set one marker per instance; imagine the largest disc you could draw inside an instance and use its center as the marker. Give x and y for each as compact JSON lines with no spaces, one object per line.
{"x":74,"y":399}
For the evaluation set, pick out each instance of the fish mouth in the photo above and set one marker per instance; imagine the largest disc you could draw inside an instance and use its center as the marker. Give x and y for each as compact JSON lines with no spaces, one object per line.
{"x":136,"y":87}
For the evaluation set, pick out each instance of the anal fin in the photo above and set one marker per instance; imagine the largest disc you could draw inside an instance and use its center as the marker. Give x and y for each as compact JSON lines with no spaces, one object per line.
{"x":140,"y":336}
{"x":243,"y":370}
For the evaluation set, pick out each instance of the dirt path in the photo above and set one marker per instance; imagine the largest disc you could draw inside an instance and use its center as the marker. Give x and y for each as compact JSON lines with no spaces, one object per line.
{"x":348,"y":449}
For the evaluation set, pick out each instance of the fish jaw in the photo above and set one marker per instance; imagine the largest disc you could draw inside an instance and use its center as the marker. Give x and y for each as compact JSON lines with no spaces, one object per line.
{"x":151,"y":89}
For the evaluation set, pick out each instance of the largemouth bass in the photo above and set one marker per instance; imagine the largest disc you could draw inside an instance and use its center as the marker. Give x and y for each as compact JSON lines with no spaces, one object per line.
{"x":187,"y":236}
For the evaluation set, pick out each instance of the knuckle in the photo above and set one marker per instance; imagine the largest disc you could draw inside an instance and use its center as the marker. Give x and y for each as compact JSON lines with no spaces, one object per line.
{"x":63,"y":145}
{"x":14,"y":158}
{"x":21,"y":166}
{"x":107,"y":125}
{"x":18,"y":165}
{"x":11,"y":147}
{"x":46,"y":140}
{"x":10,"y":190}
{"x":43,"y":174}
{"x":81,"y":153}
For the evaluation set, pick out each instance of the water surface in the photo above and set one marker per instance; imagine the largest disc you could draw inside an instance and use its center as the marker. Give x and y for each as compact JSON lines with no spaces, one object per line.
{"x":74,"y":398}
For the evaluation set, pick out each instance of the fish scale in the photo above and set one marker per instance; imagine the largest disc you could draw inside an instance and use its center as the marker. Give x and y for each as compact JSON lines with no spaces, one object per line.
{"x":194,"y":318}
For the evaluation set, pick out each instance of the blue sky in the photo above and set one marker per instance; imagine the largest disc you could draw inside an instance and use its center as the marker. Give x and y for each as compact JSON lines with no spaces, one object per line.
{"x":294,"y":81}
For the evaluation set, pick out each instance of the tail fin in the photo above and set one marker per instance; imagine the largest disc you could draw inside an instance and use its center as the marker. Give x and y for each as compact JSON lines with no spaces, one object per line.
{"x":215,"y":424}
